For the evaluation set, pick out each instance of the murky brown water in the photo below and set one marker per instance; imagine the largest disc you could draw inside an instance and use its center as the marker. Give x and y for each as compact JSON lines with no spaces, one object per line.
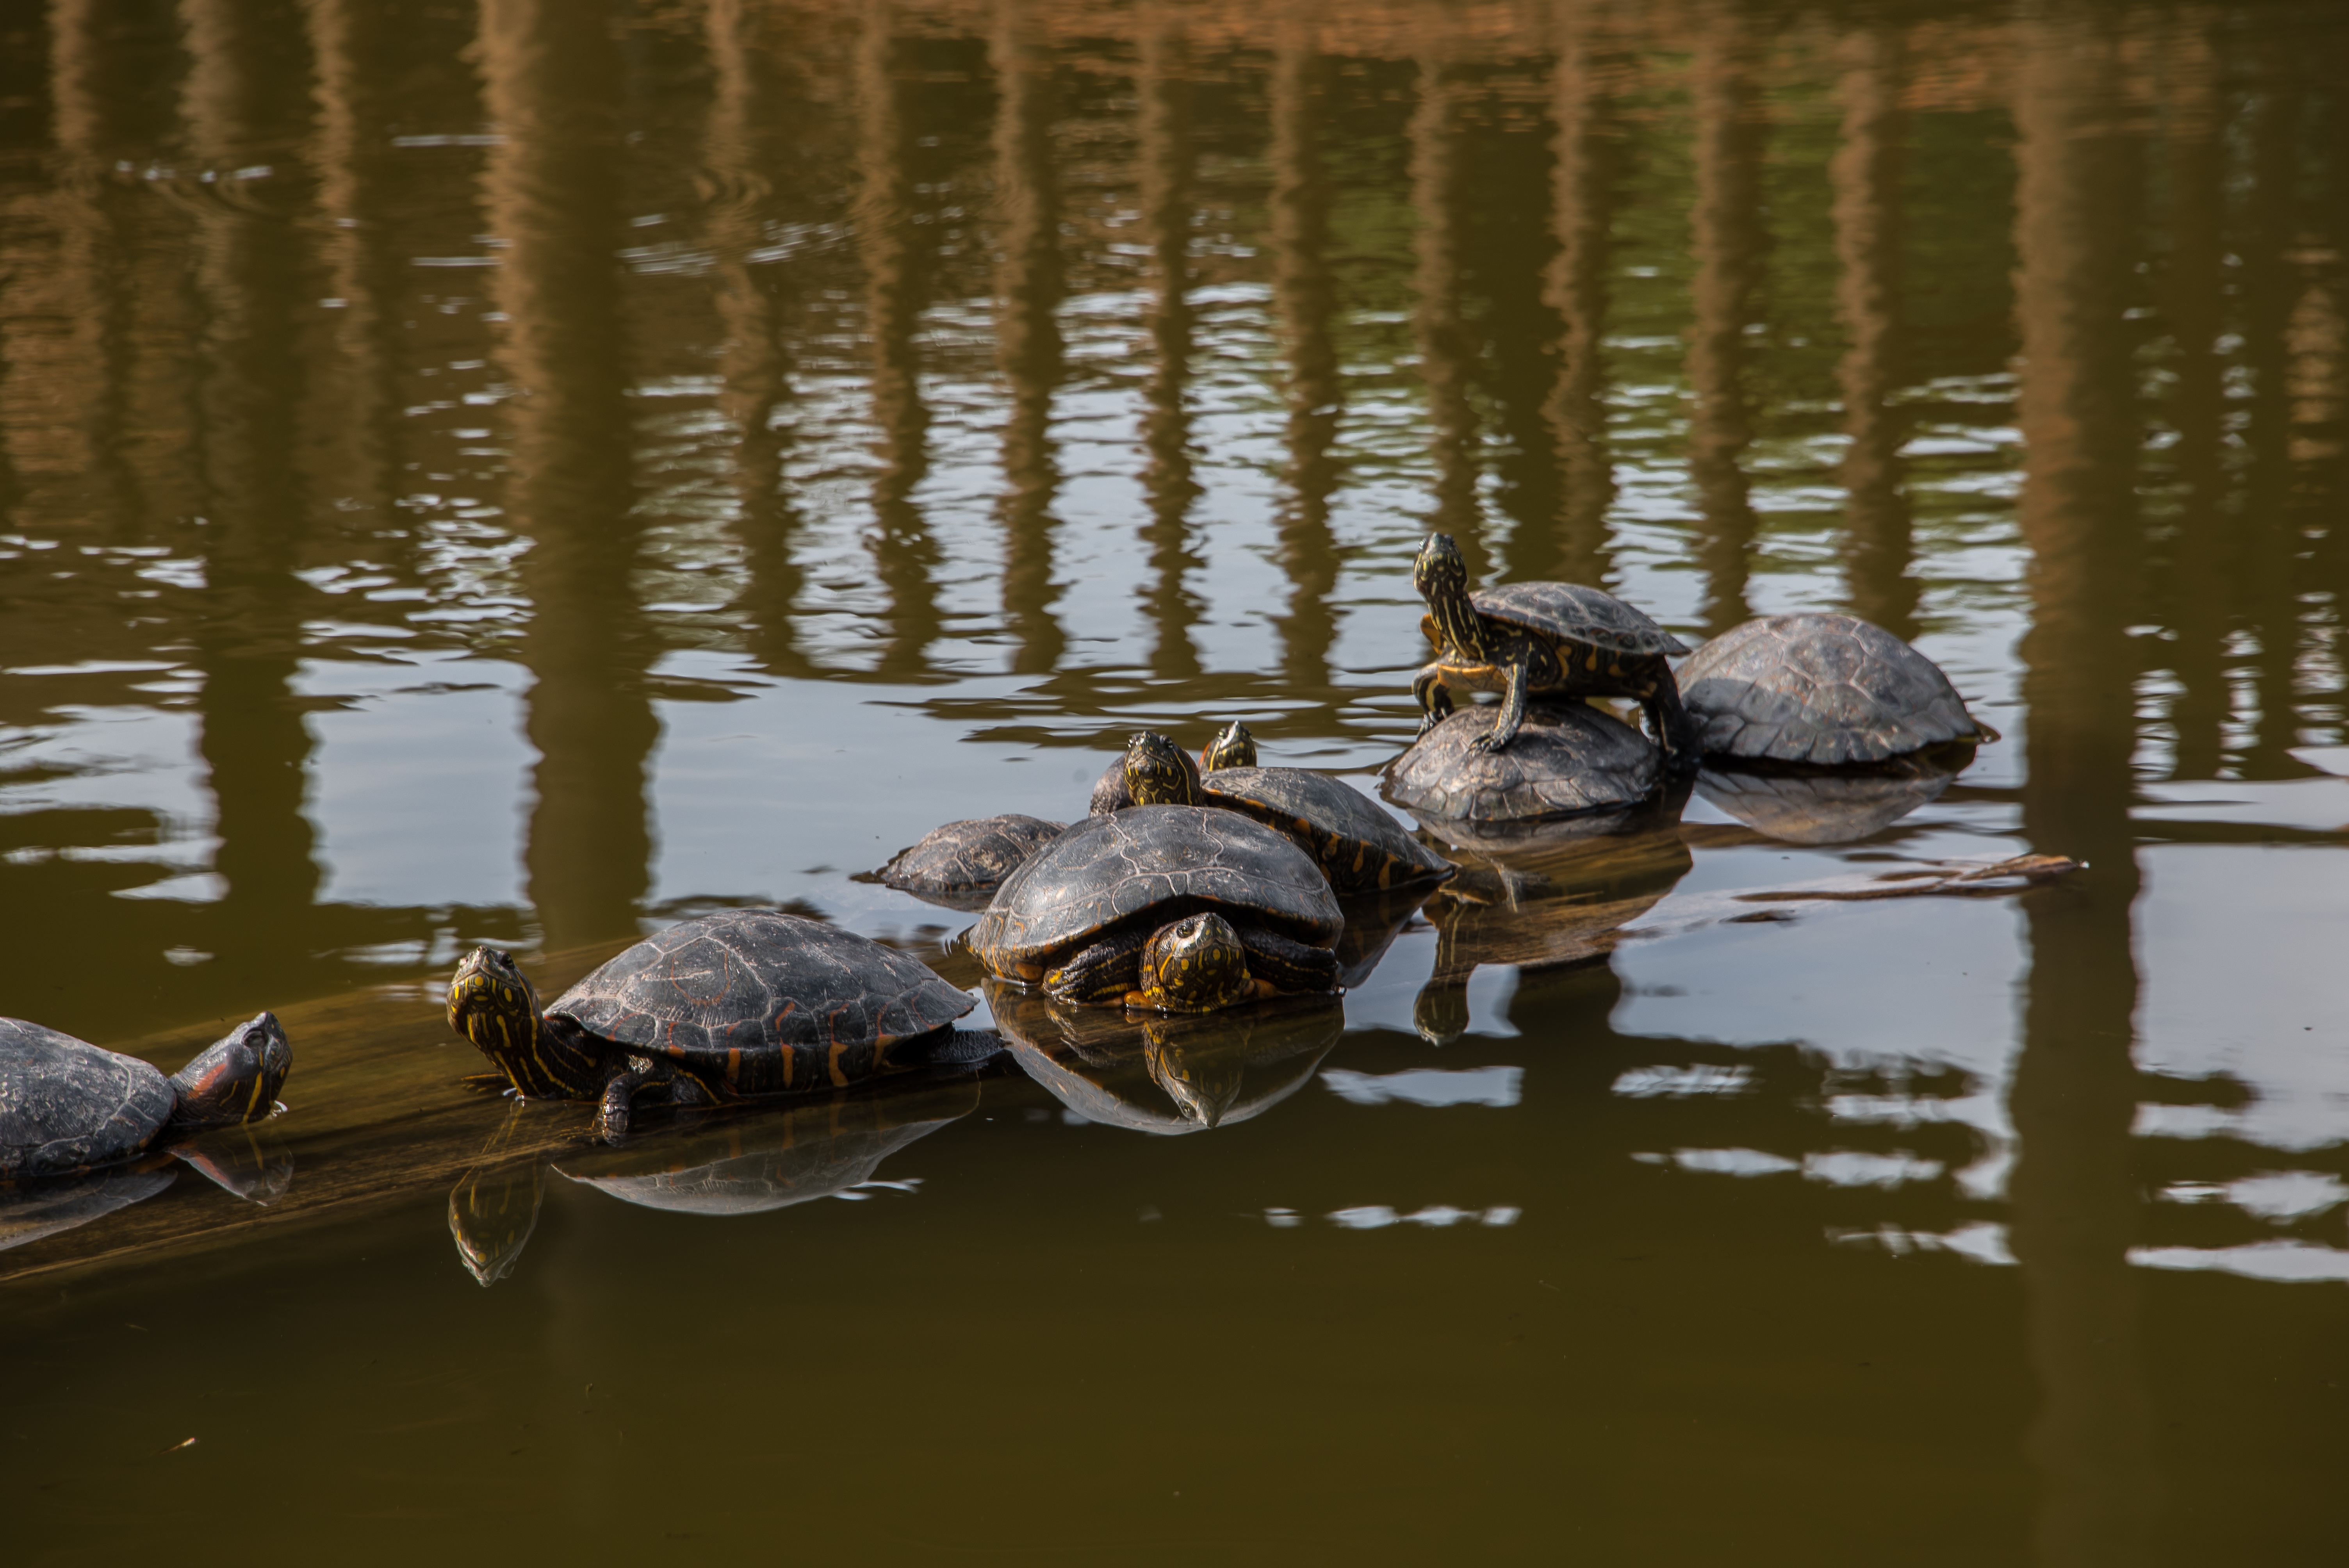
{"x":475,"y":473}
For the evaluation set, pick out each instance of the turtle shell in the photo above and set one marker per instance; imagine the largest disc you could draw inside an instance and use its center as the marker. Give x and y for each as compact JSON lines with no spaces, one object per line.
{"x":727,"y":994}
{"x":1823,"y":689}
{"x":960,"y":865}
{"x":1157,"y":861}
{"x":1571,"y":612}
{"x":66,"y":1105}
{"x":1567,"y":759}
{"x":1359,"y":847}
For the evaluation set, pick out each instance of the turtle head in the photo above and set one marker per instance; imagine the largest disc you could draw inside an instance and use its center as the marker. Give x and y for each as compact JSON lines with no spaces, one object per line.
{"x":1195,"y":965}
{"x":1233,"y":747}
{"x":1440,"y":575}
{"x":237,"y":1078}
{"x":1160,"y":773}
{"x":492,"y":1003}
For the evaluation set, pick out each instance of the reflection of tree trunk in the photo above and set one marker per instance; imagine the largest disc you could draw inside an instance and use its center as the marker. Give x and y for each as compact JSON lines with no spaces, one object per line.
{"x":72,"y":384}
{"x":1165,"y":223}
{"x":2074,"y":1200}
{"x":1729,"y":240}
{"x":1304,"y":297}
{"x":1437,"y":200}
{"x":353,"y":43}
{"x":897,"y":278}
{"x":239,"y":91}
{"x":1866,"y":171}
{"x":1582,"y":209}
{"x":2270,"y":524}
{"x":550,"y":81}
{"x":1027,"y":333}
{"x":2320,"y":356}
{"x":754,"y":369}
{"x":2193,"y":294}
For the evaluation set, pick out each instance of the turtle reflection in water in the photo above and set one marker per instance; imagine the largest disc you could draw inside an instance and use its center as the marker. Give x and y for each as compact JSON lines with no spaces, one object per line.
{"x":85,"y":1131}
{"x":726,"y":1007}
{"x":1544,"y":903}
{"x":1168,"y":1074}
{"x":746,"y":1161}
{"x":1812,"y":807}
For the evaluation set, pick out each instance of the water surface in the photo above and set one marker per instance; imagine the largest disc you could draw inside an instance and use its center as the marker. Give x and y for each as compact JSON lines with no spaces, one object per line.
{"x":498,"y":473}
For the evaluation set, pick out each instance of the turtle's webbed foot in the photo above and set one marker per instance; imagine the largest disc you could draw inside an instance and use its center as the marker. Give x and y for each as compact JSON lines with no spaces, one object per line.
{"x":612,"y":1115}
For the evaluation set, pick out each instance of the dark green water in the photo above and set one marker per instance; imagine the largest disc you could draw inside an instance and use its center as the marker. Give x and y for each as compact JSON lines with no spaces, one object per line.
{"x":530,"y":473}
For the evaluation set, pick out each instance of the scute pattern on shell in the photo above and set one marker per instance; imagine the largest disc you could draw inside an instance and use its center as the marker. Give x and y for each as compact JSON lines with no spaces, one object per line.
{"x":963,"y":862}
{"x":1111,"y":869}
{"x":760,"y":981}
{"x":1572,"y":612}
{"x":1366,"y":840}
{"x":1568,"y":758}
{"x":66,"y":1105}
{"x":1825,"y":689}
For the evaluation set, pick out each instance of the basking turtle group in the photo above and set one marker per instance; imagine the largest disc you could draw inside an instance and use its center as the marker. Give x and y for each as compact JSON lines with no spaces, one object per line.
{"x":1200,"y":904}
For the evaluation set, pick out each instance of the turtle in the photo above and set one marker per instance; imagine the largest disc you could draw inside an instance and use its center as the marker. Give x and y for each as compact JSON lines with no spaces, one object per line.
{"x":1823,"y":689}
{"x":67,"y":1106}
{"x":1568,"y":759}
{"x":1233,"y":747}
{"x":1180,"y":909}
{"x":732,"y":1006}
{"x":961,"y":865}
{"x":1531,"y":639}
{"x":1358,"y":846}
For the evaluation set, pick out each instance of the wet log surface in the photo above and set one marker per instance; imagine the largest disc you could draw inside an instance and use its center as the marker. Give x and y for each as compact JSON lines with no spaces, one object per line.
{"x":376,"y":1110}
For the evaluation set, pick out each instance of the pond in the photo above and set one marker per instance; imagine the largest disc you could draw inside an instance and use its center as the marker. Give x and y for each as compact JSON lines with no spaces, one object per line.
{"x":490,"y":471}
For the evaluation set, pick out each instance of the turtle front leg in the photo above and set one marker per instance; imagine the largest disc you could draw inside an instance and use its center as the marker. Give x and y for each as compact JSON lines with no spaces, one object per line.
{"x":1287,"y":963}
{"x":1676,"y":732}
{"x":1513,"y":705}
{"x":1427,"y":690}
{"x":1102,"y":973}
{"x":619,"y":1090}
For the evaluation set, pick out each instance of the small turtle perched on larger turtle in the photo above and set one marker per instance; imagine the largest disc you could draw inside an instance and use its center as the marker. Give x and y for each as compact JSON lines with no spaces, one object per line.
{"x":729,"y":1006}
{"x":1173,"y":907}
{"x":1541,"y":639}
{"x":1823,"y":690}
{"x":69,"y":1106}
{"x":1358,"y":846}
